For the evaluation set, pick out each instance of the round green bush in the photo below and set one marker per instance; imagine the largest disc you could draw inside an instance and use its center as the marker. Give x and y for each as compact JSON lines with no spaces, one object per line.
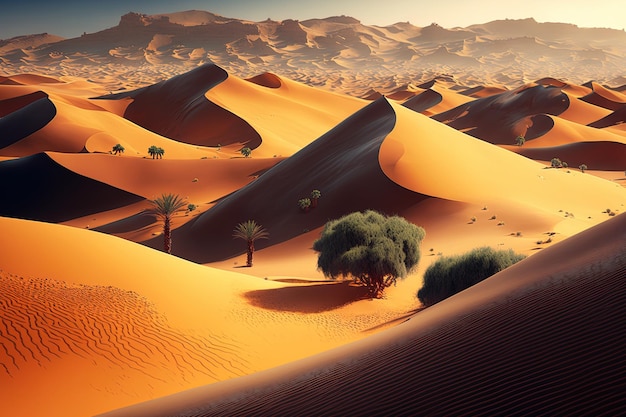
{"x":452,"y":274}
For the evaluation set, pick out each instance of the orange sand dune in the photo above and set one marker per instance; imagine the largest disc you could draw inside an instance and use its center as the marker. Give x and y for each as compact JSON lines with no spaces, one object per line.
{"x":98,"y":322}
{"x":510,"y":177}
{"x":188,"y":116}
{"x":618,"y":117}
{"x":63,"y":122}
{"x":115,"y":323}
{"x":514,"y":111}
{"x":342,"y":164}
{"x":606,"y":156}
{"x":483,"y":91}
{"x":543,"y":337}
{"x":557,"y":131}
{"x":263,"y":101}
{"x":604,"y":97}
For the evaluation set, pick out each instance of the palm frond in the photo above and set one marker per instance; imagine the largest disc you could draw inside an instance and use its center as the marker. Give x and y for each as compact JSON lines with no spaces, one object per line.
{"x":250,"y":231}
{"x":167,"y":204}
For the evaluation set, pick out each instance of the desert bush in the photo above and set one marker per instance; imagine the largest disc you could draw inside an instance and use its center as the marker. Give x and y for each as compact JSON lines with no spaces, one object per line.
{"x":191,"y":207}
{"x":452,"y":274}
{"x":118,"y":149}
{"x":556,"y":163}
{"x":371,"y":248}
{"x":246,"y":152}
{"x":582,"y":167}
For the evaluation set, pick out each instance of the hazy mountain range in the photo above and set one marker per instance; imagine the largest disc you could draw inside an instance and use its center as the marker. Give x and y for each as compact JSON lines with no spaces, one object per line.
{"x":339,"y":52}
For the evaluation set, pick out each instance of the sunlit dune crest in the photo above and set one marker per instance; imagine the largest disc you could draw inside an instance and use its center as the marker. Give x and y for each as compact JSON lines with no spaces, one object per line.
{"x":96,"y":318}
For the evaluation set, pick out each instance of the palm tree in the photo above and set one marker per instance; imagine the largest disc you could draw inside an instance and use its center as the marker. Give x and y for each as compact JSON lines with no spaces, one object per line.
{"x":520,"y":140}
{"x":246,"y":152}
{"x":315,"y":195}
{"x":159,"y":152}
{"x":582,"y":168}
{"x":118,"y":149}
{"x":304,"y":204}
{"x":152,"y":151}
{"x":250,"y":231}
{"x":164,"y":207}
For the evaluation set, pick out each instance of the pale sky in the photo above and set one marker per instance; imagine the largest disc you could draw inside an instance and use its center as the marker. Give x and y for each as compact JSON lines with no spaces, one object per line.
{"x":73,"y":17}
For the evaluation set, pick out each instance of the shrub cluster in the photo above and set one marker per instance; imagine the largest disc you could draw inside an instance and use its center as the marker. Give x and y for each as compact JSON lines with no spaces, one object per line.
{"x":452,"y":274}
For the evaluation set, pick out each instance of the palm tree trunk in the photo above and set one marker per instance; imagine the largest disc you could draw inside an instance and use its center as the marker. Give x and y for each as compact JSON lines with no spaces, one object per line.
{"x":167,"y":235}
{"x":250,"y":252}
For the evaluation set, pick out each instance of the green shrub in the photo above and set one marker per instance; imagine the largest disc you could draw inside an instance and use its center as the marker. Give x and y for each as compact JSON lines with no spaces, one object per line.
{"x":370,"y":247}
{"x":452,"y":274}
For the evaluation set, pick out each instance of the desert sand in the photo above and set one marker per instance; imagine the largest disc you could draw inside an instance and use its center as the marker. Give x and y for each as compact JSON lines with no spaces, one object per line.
{"x":96,"y":319}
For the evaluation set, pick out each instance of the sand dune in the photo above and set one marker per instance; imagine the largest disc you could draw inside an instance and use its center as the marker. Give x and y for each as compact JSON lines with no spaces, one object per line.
{"x":102,"y":322}
{"x":145,"y":49}
{"x":537,"y":338}
{"x":41,"y":189}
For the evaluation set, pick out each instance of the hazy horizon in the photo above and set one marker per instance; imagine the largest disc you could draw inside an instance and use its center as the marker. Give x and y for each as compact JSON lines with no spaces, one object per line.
{"x":72,"y":18}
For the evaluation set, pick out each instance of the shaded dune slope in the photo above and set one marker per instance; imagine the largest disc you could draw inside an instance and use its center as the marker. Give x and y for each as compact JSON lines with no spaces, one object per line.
{"x":41,"y":189}
{"x":343,"y":164}
{"x":609,"y":156}
{"x":540,"y":338}
{"x":177,"y":109}
{"x":615,"y":118}
{"x":603,"y":97}
{"x":423,"y":101}
{"x":512,"y":109}
{"x":23,"y":116}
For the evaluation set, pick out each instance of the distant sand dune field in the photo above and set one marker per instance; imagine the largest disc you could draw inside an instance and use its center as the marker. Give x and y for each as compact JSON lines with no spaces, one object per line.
{"x":95,"y":318}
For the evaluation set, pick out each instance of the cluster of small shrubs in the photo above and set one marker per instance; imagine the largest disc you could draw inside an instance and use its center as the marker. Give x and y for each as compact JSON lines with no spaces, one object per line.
{"x":452,"y":274}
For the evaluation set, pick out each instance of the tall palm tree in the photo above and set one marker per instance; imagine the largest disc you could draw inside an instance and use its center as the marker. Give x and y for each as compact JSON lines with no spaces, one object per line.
{"x":118,"y":149}
{"x":159,"y":152}
{"x":164,"y":207}
{"x":250,"y":231}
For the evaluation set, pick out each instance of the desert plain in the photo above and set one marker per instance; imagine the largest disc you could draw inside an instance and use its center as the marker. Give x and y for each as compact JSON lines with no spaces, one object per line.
{"x":97,"y":320}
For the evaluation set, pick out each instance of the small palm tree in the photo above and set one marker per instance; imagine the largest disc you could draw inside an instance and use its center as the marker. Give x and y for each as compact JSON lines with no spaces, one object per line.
{"x":160,"y":152}
{"x":315,"y":195}
{"x":118,"y":149}
{"x":304,"y":204}
{"x":246,"y":152}
{"x":520,"y":140}
{"x":152,"y":151}
{"x":164,"y":207}
{"x":582,"y":168}
{"x":250,"y":231}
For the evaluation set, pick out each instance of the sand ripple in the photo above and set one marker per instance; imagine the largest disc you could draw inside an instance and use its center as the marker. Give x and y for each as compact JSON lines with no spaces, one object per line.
{"x":44,"y":320}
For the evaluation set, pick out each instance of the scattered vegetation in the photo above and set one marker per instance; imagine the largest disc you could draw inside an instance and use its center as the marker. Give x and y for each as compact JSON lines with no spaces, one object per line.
{"x":164,"y":207}
{"x":246,"y":152}
{"x":191,"y":207}
{"x":556,"y":163}
{"x":250,"y":231}
{"x":582,"y":168}
{"x":452,"y":274}
{"x":520,"y":140}
{"x":118,"y":149}
{"x":473,"y":219}
{"x":371,"y":248}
